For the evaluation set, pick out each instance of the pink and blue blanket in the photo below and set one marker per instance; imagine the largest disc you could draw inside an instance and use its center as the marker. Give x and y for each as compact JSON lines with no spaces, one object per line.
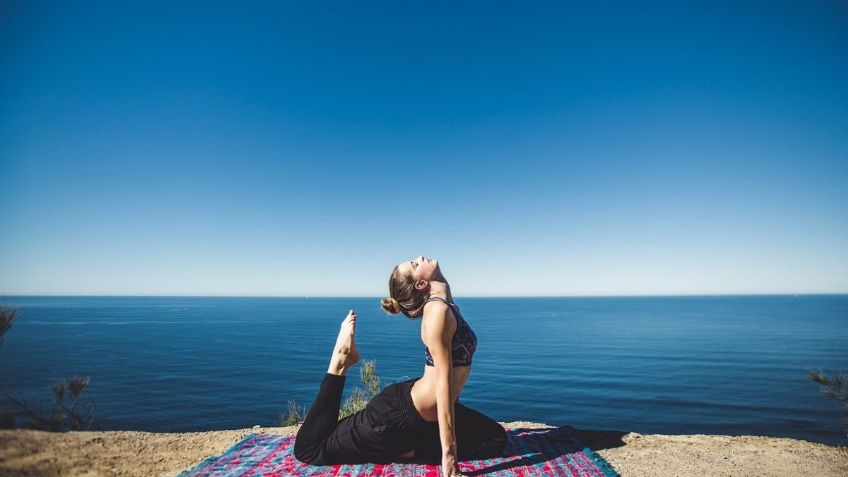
{"x":529,"y":452}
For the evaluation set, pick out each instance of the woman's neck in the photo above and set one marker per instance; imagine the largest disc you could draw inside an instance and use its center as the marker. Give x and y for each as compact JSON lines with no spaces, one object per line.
{"x":441,"y":290}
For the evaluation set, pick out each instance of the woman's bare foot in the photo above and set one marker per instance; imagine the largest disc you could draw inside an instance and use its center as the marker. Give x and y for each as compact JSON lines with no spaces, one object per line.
{"x":345,"y":354}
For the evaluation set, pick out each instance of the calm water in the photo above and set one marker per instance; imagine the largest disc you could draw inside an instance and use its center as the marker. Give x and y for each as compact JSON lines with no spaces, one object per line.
{"x":672,"y":365}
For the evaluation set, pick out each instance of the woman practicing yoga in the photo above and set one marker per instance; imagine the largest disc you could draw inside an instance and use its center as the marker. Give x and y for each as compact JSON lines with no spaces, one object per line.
{"x":418,"y":420}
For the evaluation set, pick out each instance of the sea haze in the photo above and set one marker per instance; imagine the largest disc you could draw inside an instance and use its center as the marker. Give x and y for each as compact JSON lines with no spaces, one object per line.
{"x":672,"y":365}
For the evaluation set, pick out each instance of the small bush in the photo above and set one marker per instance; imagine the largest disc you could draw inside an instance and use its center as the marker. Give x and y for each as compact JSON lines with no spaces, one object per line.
{"x":293,"y":416}
{"x":7,"y":317}
{"x":368,"y":377}
{"x":78,"y":415}
{"x":353,"y":404}
{"x":836,"y":389}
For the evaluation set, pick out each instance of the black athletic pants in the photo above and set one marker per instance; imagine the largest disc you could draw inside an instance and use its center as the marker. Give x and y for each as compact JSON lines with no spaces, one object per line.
{"x":388,"y":427}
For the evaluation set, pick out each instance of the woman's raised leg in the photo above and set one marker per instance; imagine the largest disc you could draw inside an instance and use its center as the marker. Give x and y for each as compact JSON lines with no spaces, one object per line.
{"x":323,"y":415}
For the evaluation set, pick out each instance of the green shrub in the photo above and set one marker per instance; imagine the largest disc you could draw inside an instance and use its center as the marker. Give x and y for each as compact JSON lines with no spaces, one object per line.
{"x":836,"y":389}
{"x":76,"y":415}
{"x":7,"y":317}
{"x":293,"y":416}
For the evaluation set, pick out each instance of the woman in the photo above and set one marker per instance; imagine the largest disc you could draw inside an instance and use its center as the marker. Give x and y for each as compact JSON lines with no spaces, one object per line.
{"x":416,"y":420}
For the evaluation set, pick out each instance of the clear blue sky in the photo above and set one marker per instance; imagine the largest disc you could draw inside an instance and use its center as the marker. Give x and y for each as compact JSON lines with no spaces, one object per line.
{"x":305,"y":148}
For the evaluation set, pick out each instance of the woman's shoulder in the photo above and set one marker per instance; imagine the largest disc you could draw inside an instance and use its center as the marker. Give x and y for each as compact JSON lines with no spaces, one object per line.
{"x":437,"y":314}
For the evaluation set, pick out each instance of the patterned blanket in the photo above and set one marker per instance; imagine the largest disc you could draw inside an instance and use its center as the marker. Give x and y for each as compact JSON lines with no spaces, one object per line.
{"x":529,"y":452}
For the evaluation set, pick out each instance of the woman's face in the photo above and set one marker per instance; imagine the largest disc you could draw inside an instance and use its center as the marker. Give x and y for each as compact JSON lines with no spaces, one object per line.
{"x":421,"y":268}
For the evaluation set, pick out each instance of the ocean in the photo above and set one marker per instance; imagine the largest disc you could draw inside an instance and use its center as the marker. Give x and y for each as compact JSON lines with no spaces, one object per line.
{"x":731,"y":365}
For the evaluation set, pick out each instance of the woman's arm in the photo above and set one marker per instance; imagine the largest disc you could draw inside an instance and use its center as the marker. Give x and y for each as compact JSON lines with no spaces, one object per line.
{"x":438,"y":332}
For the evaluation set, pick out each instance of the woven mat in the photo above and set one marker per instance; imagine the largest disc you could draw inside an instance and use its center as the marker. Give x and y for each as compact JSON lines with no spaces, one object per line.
{"x":529,"y":452}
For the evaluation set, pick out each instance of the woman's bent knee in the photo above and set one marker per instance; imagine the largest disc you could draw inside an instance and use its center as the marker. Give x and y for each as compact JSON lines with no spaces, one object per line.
{"x":500,"y":440}
{"x":305,"y":454}
{"x":495,"y":445}
{"x":490,"y":446}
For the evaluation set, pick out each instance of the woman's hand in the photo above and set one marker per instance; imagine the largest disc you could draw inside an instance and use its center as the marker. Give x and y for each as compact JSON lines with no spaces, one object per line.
{"x":449,"y":467}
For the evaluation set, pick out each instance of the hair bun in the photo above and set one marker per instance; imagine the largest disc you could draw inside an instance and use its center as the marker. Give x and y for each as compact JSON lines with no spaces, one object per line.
{"x":390,"y":305}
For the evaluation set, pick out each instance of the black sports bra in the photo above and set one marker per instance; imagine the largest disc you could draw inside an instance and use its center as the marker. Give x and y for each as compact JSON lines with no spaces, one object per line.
{"x":464,"y":341}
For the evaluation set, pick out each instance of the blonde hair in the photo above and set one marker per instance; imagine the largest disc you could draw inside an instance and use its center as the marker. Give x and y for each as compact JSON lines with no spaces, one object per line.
{"x":403,"y":296}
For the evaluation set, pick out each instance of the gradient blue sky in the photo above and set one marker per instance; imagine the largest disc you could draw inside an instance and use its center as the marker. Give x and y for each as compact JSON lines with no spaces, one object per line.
{"x":305,"y":148}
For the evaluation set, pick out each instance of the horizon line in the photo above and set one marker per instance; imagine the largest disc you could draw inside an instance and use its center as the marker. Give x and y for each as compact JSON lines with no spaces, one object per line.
{"x":682,"y":295}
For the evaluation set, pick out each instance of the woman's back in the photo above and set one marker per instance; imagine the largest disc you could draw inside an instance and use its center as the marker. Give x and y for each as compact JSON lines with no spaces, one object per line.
{"x":424,"y":390}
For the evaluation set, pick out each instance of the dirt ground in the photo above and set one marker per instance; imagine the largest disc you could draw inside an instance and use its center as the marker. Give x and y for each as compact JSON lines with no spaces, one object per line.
{"x":37,"y":453}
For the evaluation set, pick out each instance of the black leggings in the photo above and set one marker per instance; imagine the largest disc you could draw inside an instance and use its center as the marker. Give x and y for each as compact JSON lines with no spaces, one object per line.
{"x":388,"y":427}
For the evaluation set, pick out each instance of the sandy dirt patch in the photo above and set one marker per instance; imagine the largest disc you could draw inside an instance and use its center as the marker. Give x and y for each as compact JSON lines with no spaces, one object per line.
{"x":106,"y":453}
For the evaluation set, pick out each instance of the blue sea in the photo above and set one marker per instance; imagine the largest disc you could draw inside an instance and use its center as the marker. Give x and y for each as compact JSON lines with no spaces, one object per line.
{"x":672,"y":365}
